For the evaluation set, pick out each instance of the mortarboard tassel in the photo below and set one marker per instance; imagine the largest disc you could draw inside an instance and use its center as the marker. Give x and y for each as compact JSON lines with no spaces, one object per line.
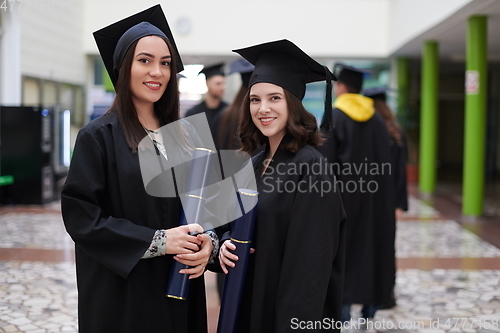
{"x":327,"y":121}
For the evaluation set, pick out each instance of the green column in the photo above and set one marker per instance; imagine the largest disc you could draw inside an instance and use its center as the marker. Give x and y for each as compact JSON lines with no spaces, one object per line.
{"x":475,"y":116}
{"x":429,"y":117}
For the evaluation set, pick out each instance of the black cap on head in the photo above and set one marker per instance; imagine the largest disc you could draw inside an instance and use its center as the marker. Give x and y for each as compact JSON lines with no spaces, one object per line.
{"x":244,"y":67}
{"x":114,"y":40}
{"x":213,"y":70}
{"x":284,"y":64}
{"x":378,"y":93}
{"x":350,"y":75}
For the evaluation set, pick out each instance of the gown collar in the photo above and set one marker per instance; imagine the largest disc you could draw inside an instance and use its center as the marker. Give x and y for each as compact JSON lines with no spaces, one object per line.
{"x":280,"y":156}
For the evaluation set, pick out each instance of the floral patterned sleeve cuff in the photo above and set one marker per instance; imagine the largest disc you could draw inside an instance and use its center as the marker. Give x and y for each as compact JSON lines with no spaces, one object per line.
{"x":215,"y":242}
{"x":158,"y":245}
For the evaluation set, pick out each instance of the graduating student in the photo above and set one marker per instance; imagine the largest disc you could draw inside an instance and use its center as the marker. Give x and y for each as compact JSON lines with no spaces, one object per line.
{"x":296,"y":272}
{"x":361,"y":155}
{"x":212,"y":105}
{"x":398,"y":152}
{"x":397,"y":141}
{"x":126,"y":239}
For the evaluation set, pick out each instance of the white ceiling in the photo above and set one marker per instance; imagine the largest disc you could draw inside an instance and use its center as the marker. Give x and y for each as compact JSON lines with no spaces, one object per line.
{"x":451,"y":33}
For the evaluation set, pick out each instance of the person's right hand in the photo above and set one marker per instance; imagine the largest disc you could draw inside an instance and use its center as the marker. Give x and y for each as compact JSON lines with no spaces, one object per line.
{"x":226,"y":258}
{"x":179,"y":241}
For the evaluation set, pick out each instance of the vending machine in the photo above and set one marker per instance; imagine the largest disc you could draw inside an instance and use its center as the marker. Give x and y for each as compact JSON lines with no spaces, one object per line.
{"x":32,"y":150}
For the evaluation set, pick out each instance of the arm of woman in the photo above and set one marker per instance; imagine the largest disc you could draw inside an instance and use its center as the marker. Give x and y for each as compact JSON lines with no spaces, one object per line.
{"x":180,"y":241}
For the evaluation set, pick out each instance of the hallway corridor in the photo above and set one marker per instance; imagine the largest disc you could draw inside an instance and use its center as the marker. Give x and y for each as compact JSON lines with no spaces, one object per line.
{"x":448,"y":277}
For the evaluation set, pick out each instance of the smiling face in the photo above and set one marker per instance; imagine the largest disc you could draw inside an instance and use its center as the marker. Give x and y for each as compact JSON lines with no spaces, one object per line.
{"x":150,"y":71}
{"x":269,"y":110}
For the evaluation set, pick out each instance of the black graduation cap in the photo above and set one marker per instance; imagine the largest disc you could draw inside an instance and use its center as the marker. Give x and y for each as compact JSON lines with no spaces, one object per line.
{"x":114,"y":40}
{"x":283,"y":63}
{"x":350,"y":75}
{"x":378,"y":93}
{"x":213,"y":70}
{"x":244,"y":67}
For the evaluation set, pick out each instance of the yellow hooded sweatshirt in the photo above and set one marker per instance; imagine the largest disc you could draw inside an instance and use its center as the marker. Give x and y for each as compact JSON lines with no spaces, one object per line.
{"x":356,"y":106}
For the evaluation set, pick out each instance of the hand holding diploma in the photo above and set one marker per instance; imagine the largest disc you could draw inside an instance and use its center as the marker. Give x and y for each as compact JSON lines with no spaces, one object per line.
{"x":197,"y":261}
{"x":193,"y":173}
{"x":179,"y":241}
{"x":226,"y":256}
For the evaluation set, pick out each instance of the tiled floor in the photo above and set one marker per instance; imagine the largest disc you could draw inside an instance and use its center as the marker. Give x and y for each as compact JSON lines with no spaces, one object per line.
{"x":453,"y":189}
{"x":37,"y":297}
{"x":448,"y":277}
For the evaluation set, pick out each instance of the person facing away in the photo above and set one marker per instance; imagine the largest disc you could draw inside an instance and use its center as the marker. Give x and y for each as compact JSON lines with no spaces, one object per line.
{"x":397,"y":141}
{"x":359,"y":153}
{"x":296,"y":271}
{"x":398,"y":153}
{"x":125,"y":239}
{"x":212,"y":104}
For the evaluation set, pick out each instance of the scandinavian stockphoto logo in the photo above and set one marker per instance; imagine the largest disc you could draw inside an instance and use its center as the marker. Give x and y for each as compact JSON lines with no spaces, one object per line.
{"x":180,"y":160}
{"x":324,"y":177}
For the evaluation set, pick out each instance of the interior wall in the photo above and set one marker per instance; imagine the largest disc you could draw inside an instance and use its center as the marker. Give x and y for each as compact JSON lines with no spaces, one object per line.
{"x":352,"y":28}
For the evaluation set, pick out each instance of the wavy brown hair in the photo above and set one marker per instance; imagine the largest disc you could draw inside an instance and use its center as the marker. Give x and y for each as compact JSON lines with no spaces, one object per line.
{"x":391,"y":122}
{"x":301,"y":125}
{"x":166,"y":108}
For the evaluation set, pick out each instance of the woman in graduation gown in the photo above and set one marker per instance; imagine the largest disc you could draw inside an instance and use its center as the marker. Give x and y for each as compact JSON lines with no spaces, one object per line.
{"x":126,"y":239}
{"x":397,"y":143}
{"x":295,"y":275}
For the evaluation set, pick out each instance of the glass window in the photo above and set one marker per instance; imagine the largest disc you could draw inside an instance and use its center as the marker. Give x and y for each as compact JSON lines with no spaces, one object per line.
{"x":49,"y":94}
{"x":31,"y":92}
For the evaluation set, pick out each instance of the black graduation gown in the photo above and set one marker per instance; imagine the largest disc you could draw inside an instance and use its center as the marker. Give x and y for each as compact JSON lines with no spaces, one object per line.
{"x":112,"y":221}
{"x":297,"y":269}
{"x":352,"y":148}
{"x":399,"y":167}
{"x":213,"y":116}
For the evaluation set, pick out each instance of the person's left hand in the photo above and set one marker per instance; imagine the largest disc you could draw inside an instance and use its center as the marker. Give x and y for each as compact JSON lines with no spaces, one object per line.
{"x":198,"y":260}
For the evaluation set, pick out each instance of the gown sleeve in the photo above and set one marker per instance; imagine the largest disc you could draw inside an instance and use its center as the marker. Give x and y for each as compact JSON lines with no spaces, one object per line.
{"x":158,"y":245}
{"x":116,"y":243}
{"x":313,"y":241}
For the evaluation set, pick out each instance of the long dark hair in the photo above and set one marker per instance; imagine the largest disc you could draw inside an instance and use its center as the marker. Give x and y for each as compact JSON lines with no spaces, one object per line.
{"x":166,"y":108}
{"x":230,"y":120}
{"x":301,"y":125}
{"x":391,"y":122}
